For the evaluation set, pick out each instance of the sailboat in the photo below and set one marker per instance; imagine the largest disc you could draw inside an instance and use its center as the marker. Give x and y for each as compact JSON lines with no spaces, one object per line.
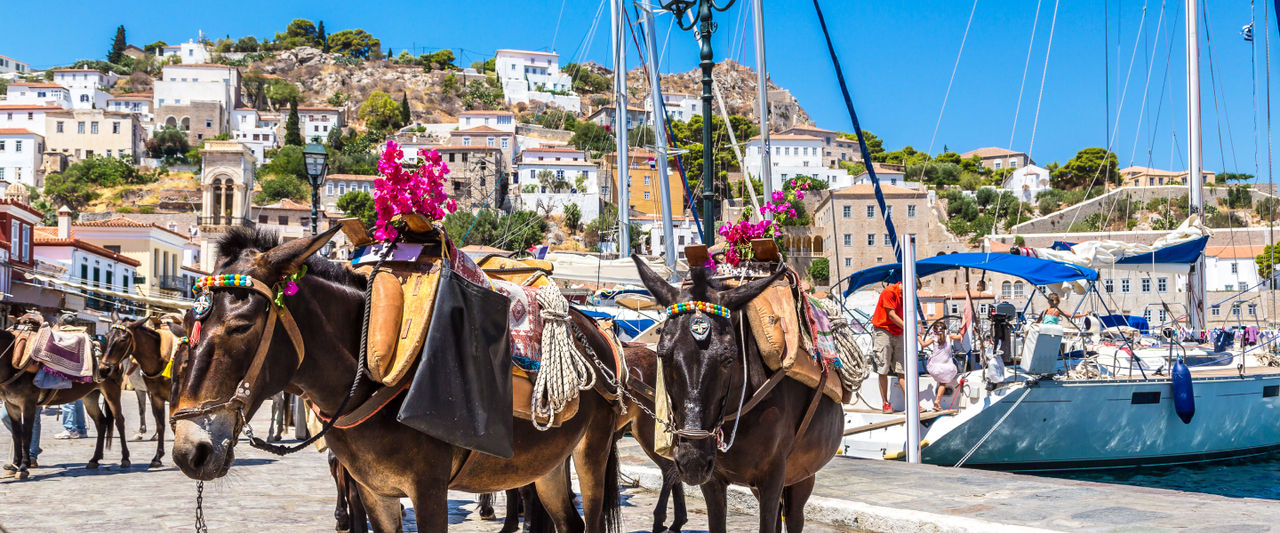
{"x":1116,"y":399}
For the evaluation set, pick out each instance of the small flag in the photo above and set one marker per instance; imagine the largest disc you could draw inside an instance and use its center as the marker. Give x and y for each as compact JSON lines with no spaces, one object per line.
{"x":539,"y":251}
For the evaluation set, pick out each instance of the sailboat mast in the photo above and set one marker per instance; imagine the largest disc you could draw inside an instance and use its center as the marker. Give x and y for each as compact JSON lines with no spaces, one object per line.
{"x":623,"y":162}
{"x":659,"y":138}
{"x":762,"y":94}
{"x":1195,"y":181}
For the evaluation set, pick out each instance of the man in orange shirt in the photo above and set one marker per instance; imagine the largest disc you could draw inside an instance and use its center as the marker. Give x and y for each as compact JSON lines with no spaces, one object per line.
{"x":886,"y":341}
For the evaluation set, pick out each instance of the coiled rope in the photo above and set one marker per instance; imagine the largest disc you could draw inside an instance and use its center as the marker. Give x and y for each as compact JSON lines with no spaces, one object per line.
{"x":564,"y":370}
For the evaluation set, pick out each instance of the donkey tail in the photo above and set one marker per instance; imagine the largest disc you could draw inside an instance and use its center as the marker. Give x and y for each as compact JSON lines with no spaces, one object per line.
{"x":109,"y":416}
{"x":612,"y":499}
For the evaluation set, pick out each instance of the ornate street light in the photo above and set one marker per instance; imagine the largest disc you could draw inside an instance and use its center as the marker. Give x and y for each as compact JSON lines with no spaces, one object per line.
{"x":315,"y":158}
{"x":679,"y":9}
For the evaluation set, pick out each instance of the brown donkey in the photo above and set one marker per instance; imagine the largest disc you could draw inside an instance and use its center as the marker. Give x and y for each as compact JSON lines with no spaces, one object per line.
{"x":22,"y":399}
{"x":785,"y":434}
{"x":224,"y":378}
{"x":137,"y":340}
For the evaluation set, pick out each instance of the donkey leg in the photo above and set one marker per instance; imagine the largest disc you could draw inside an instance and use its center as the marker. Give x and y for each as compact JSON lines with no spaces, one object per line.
{"x":384,"y":511}
{"x":594,"y":475}
{"x":340,"y":513}
{"x":100,"y":424}
{"x":142,"y":415}
{"x":14,"y":421}
{"x":769,"y":494}
{"x":486,"y":506}
{"x":157,"y":412}
{"x":116,"y":412}
{"x":793,"y":500}
{"x":511,"y":521}
{"x":431,"y":504}
{"x":355,"y":505}
{"x":556,"y":496}
{"x":28,"y":434}
{"x":716,"y":493}
{"x":660,"y":509}
{"x":681,"y":512}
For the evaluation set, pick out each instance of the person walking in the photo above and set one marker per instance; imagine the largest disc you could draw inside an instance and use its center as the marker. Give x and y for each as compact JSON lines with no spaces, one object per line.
{"x":35,"y":439}
{"x":72,"y":421}
{"x":886,"y":341}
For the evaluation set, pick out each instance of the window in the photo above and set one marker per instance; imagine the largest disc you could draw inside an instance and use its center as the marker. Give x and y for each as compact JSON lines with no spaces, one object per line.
{"x":1019,"y":289}
{"x":871,"y":211}
{"x":84,"y":98}
{"x":955,"y":308}
{"x":1124,"y":286}
{"x":262,"y":219}
{"x":1162,"y":284}
{"x":208,"y":123}
{"x":1146,"y":313}
{"x":848,"y":239}
{"x":466,"y":141}
{"x":1235,"y":267}
{"x":1006,"y":289}
{"x":58,"y":126}
{"x":1,"y":145}
{"x":1253,"y":309}
{"x":1235,"y":309}
{"x":871,"y":240}
{"x":115,"y":127}
{"x":283,"y":220}
{"x":1215,"y":310}
{"x":93,"y":127}
{"x":646,"y":181}
{"x":847,"y":211}
{"x":80,"y":127}
{"x":489,"y":141}
{"x":848,"y":262}
{"x":646,"y":195}
{"x":328,"y":189}
{"x":506,"y":143}
{"x":1109,"y":285}
{"x":887,"y":242}
{"x":911,"y":211}
{"x":1146,"y":285}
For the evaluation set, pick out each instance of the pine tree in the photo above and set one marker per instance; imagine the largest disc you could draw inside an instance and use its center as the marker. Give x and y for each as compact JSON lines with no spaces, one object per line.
{"x":322,"y":38}
{"x":404,"y":109}
{"x":292,"y":135}
{"x":117,"y":46}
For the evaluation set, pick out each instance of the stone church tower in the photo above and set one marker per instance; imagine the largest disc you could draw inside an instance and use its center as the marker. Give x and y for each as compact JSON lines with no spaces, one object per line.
{"x":226,"y":193}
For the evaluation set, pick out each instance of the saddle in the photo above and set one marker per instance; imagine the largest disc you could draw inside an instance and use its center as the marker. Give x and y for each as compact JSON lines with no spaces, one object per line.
{"x":67,"y":350}
{"x":781,"y":331}
{"x":24,"y":345}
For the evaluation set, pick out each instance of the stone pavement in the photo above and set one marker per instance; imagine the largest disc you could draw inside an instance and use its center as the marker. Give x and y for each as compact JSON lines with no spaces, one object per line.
{"x":895,"y":496}
{"x":261,"y":493}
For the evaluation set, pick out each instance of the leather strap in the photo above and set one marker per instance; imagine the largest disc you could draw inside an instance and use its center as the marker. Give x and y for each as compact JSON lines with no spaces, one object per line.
{"x":758,"y":395}
{"x":366,"y":410}
{"x":813,"y":406}
{"x":641,"y":388}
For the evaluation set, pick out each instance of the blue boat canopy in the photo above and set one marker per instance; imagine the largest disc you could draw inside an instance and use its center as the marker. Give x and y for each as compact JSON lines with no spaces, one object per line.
{"x":1034,"y":270}
{"x":1182,"y":254}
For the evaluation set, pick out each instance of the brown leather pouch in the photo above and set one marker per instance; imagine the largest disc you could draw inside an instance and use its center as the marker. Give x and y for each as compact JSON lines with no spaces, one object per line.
{"x":384,"y":323}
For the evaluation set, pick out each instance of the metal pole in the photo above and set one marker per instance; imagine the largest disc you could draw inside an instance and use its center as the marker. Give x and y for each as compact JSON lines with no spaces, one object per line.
{"x":620,"y":127}
{"x":1194,"y":177}
{"x":762,"y":94}
{"x":708,"y":171}
{"x":910,"y":345}
{"x":660,"y":139}
{"x":315,"y":203}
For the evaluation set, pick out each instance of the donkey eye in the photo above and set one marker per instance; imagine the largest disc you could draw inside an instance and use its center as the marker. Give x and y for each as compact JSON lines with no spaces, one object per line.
{"x":240,"y":329}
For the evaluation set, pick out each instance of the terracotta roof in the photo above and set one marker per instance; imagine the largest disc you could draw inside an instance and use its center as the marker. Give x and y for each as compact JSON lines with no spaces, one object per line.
{"x":787,"y":137}
{"x":494,"y":112}
{"x":867,"y":189}
{"x":989,"y":151}
{"x":882,"y":170}
{"x":123,"y":222}
{"x":450,"y":147}
{"x":351,"y":177}
{"x":27,"y":107}
{"x":48,"y":236}
{"x":22,"y":206}
{"x":133,"y":96}
{"x":17,"y":131}
{"x":479,"y":129}
{"x":287,"y":204}
{"x":633,"y":154}
{"x":559,"y":149}
{"x":37,"y":85}
{"x":1234,"y":252}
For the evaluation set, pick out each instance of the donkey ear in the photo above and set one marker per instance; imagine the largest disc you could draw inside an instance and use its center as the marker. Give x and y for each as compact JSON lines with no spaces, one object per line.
{"x":288,"y":257}
{"x":665,"y":293}
{"x":115,"y":317}
{"x":738,"y":297}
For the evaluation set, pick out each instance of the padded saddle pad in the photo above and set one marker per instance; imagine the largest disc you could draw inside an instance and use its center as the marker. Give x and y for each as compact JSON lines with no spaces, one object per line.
{"x":403,"y":297}
{"x":66,"y":350}
{"x":775,"y":324}
{"x":522,"y":400}
{"x":23,"y":349}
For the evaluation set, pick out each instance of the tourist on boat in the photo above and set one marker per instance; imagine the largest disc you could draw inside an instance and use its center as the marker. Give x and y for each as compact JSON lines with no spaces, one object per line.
{"x":887,"y":341}
{"x":1054,"y":314}
{"x":941,"y":364}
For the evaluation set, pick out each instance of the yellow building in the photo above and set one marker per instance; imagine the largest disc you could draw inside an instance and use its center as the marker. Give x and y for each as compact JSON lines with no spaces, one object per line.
{"x":80,"y":133}
{"x":161,"y":253}
{"x":645,"y":192}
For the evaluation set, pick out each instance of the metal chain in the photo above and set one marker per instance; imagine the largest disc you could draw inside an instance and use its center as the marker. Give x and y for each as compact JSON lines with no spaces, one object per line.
{"x":200,"y":525}
{"x":613,"y":381}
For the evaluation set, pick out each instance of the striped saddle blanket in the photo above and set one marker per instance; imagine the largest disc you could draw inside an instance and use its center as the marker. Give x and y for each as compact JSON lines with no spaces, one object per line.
{"x":68,"y":352}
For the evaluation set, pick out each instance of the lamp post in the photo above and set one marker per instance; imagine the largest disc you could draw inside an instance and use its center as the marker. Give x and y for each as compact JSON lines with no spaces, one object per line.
{"x":680,"y":8}
{"x":315,"y":158}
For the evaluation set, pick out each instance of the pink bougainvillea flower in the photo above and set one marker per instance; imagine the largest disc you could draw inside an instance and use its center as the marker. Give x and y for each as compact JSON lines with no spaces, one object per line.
{"x":402,"y":192}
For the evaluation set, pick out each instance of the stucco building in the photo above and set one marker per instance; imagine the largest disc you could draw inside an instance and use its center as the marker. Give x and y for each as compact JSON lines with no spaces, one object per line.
{"x":80,"y":133}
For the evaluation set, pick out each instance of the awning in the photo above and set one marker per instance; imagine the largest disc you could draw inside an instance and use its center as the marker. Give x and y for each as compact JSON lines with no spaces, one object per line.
{"x":1034,"y":270}
{"x":176,"y":305}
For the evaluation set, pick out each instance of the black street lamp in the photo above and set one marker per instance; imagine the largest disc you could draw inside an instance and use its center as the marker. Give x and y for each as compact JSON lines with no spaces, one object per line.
{"x":679,"y":9}
{"x":315,"y":158}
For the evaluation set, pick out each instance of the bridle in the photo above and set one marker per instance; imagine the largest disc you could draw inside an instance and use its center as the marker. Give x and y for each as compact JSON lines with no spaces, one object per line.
{"x":128,"y":351}
{"x":698,"y":308}
{"x":277,"y":312}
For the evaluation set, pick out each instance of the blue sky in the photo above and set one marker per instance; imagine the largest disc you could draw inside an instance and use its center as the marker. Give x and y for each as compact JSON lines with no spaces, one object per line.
{"x":897,"y":56}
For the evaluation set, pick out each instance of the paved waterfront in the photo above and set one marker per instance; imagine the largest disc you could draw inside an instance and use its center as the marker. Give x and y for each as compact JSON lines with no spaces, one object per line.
{"x":261,"y":493}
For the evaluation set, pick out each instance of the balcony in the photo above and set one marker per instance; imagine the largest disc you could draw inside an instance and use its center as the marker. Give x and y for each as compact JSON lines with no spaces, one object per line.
{"x":225,"y":221}
{"x":172,"y":283}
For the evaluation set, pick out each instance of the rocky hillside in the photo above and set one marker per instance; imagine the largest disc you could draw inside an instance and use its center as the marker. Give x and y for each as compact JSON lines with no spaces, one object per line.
{"x":319,"y":76}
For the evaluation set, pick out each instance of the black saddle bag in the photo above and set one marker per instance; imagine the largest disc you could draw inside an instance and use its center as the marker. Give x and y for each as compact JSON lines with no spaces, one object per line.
{"x":461,"y":391}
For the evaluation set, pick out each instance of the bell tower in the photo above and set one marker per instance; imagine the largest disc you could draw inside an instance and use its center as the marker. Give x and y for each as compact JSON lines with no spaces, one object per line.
{"x":226,"y":186}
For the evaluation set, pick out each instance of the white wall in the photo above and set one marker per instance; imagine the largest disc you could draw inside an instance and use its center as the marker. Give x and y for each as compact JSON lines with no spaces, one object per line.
{"x":531,"y":76}
{"x":26,"y":95}
{"x":793,"y":158}
{"x":24,"y":117}
{"x":20,"y":157}
{"x":1219,"y":277}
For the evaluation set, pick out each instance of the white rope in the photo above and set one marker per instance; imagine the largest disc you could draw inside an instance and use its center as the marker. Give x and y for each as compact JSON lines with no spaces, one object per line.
{"x":564,"y":370}
{"x":1026,"y":391}
{"x":954,"y":68}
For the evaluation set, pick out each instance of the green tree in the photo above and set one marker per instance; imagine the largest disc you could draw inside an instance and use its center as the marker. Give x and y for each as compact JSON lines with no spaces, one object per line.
{"x":359,"y":204}
{"x":547,"y":179}
{"x":279,"y":91}
{"x":1266,"y":208}
{"x":356,"y":43}
{"x":906,"y":156}
{"x":154,"y":48}
{"x":450,"y":83}
{"x":292,"y":133}
{"x":820,"y":270}
{"x":247,"y":44}
{"x":337,"y":99}
{"x":380,"y":111}
{"x":117,"y":46}
{"x":169,"y":144}
{"x":405,"y":116}
{"x":1089,"y":166}
{"x":584,"y":80}
{"x":69,"y":189}
{"x":1228,"y":177}
{"x":486,"y":94}
{"x":438,"y":60}
{"x":1239,"y":197}
{"x":287,"y":161}
{"x":572,"y":217}
{"x":276,"y":188}
{"x":1267,"y":260}
{"x":641,"y":135}
{"x":322,"y":38}
{"x":592,"y":137}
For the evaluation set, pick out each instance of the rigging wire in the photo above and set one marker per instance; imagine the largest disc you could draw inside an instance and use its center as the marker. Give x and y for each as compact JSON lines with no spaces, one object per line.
{"x":1035,"y":123}
{"x":1025,"y":67}
{"x":1213,"y":88}
{"x":1146,"y":86}
{"x":954,"y":68}
{"x":556,"y":34}
{"x":1271,"y":185}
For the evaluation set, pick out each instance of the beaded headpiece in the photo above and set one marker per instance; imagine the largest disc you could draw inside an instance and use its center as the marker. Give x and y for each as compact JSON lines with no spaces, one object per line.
{"x":222,"y":280}
{"x":706,"y":307}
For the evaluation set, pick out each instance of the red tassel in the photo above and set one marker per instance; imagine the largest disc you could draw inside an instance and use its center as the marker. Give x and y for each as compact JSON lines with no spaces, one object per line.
{"x":195,"y":333}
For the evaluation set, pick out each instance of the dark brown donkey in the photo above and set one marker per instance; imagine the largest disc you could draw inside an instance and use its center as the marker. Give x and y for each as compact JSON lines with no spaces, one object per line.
{"x":389,"y":460}
{"x":137,"y":340}
{"x":642,"y":366}
{"x":773,"y":451}
{"x":23,"y":400}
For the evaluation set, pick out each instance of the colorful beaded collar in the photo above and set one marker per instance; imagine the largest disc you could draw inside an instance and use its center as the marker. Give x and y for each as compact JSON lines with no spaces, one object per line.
{"x":222,"y":280}
{"x":706,"y":307}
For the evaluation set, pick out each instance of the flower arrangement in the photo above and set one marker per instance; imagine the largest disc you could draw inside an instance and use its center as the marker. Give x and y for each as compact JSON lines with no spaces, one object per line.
{"x":403,"y":191}
{"x":740,"y":234}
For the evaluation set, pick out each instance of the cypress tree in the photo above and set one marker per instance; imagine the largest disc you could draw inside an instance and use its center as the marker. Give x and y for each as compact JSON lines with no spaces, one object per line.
{"x":404,"y":109}
{"x":292,"y":135}
{"x":322,"y":38}
{"x":117,"y":46}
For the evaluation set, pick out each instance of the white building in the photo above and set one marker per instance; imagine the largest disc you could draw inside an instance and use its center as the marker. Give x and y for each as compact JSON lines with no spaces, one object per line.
{"x":317,"y":122}
{"x":887,"y":176}
{"x":580,"y":181}
{"x":186,"y":84}
{"x":25,"y":117}
{"x":679,"y":106}
{"x":20,"y":156}
{"x":88,"y":87}
{"x":528,"y":76}
{"x":248,"y":127}
{"x":1027,"y":182}
{"x":1232,"y":268}
{"x":794,"y":155}
{"x":684,"y":230}
{"x":636,"y":116}
{"x":86,"y":263}
{"x":336,"y":185}
{"x":135,"y":103}
{"x":189,"y":52}
{"x":498,"y":120}
{"x":33,"y":93}
{"x":9,"y":65}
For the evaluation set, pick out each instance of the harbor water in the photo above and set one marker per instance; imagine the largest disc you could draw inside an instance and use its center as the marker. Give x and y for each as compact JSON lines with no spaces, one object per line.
{"x":1255,"y":477}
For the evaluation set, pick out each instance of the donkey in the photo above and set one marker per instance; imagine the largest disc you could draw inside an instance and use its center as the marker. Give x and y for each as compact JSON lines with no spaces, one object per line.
{"x":642,"y":366}
{"x":137,"y":340}
{"x":789,"y":434}
{"x":224,"y":379}
{"x":22,"y":399}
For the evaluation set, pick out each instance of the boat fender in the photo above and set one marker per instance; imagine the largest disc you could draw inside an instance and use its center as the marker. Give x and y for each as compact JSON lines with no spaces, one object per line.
{"x":1184,"y":401}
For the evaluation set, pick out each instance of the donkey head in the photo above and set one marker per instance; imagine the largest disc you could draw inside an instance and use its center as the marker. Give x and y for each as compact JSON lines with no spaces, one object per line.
{"x":701,"y":356}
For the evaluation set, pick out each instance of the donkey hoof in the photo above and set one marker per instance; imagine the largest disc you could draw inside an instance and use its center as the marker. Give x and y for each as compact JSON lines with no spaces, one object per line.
{"x":488,"y":514}
{"x":23,"y":474}
{"x":93,"y":465}
{"x":124,"y":463}
{"x":156,"y":463}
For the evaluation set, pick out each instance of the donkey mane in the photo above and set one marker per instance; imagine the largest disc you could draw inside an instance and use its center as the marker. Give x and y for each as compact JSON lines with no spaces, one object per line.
{"x":240,"y":239}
